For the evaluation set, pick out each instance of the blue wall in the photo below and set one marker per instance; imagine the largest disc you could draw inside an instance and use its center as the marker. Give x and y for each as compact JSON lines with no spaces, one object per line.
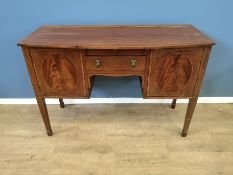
{"x":19,"y":18}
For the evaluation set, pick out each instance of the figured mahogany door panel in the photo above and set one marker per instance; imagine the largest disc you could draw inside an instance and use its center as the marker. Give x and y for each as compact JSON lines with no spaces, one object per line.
{"x":59,"y":72}
{"x":173,"y":72}
{"x":114,"y":64}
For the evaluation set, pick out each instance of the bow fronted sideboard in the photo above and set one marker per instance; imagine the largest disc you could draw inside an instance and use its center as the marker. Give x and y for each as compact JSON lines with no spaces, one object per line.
{"x":170,"y":61}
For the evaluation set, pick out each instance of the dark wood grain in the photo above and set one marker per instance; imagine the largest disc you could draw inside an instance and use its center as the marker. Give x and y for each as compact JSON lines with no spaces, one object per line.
{"x":37,"y":90}
{"x":59,"y":72}
{"x":44,"y":113}
{"x":202,"y":69}
{"x":170,"y":61}
{"x":116,"y":63}
{"x":173,"y":72}
{"x":116,"y":37}
{"x":189,"y":114}
{"x":116,"y":52}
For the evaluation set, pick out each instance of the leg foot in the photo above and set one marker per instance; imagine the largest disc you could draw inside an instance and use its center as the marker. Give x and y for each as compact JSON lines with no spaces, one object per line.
{"x":173,"y":105}
{"x":50,"y":133}
{"x":189,"y":113}
{"x":184,"y":134}
{"x":62,"y":105}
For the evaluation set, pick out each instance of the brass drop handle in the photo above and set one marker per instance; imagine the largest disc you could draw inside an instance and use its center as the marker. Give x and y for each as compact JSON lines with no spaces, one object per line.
{"x":98,"y":64}
{"x":133,"y":64}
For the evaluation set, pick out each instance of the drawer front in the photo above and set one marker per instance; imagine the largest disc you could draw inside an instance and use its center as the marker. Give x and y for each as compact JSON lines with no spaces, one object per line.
{"x":115,"y":63}
{"x":118,"y":52}
{"x":59,"y":72}
{"x":173,"y":72}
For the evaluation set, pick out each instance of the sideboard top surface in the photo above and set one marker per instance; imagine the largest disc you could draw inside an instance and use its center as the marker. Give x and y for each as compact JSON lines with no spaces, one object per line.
{"x":116,"y":37}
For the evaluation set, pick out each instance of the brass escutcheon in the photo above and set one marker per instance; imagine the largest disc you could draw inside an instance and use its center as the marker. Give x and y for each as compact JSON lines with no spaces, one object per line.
{"x":98,"y":64}
{"x":133,"y":64}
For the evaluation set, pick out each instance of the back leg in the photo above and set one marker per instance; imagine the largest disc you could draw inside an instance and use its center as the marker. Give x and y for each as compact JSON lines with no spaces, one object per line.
{"x":173,"y":105}
{"x":62,"y":105}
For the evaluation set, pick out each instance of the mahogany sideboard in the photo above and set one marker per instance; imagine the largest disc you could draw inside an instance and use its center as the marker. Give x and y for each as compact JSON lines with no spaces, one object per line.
{"x":170,"y":61}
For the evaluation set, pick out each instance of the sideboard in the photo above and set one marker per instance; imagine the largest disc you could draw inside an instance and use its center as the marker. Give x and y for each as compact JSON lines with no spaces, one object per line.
{"x":170,"y":61}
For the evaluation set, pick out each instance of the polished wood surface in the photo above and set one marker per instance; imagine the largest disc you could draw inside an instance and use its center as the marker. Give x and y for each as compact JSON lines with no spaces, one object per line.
{"x":189,"y":114}
{"x":59,"y":72}
{"x":118,"y":52}
{"x":173,"y":72}
{"x":116,"y":139}
{"x":170,"y":61}
{"x":116,"y":63}
{"x":116,"y":37}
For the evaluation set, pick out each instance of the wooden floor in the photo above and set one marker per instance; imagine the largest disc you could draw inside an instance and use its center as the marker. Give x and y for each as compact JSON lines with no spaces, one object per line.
{"x":116,"y":139}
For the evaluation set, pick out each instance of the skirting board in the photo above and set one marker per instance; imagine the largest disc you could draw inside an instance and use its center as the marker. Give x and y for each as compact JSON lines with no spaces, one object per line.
{"x":114,"y":100}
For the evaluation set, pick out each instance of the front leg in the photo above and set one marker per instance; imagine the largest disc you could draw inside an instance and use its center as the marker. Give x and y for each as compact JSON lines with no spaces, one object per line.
{"x":189,"y":113}
{"x":44,"y":114}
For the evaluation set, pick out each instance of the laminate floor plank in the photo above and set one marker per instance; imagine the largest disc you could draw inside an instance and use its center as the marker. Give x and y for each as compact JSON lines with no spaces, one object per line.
{"x":116,"y":139}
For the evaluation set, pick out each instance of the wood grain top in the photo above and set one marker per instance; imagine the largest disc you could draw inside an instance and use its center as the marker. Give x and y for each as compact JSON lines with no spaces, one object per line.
{"x":116,"y":37}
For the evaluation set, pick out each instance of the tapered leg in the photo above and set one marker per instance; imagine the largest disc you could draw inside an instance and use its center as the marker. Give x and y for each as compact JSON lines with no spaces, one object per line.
{"x":62,"y":105}
{"x":189,"y":113}
{"x":44,"y":114}
{"x":173,"y":105}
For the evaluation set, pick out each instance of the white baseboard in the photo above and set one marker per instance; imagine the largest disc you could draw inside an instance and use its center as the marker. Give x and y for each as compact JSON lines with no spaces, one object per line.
{"x":113,"y":100}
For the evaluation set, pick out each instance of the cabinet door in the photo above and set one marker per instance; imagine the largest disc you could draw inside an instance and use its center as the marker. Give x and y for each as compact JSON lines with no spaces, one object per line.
{"x":59,"y":72}
{"x":173,"y":72}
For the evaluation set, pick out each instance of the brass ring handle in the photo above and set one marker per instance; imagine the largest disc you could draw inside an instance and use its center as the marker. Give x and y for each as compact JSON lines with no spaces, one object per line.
{"x":98,"y":64}
{"x":133,"y":64}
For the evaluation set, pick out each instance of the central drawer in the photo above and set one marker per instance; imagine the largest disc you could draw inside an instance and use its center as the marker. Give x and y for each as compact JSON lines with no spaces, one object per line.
{"x":116,"y":63}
